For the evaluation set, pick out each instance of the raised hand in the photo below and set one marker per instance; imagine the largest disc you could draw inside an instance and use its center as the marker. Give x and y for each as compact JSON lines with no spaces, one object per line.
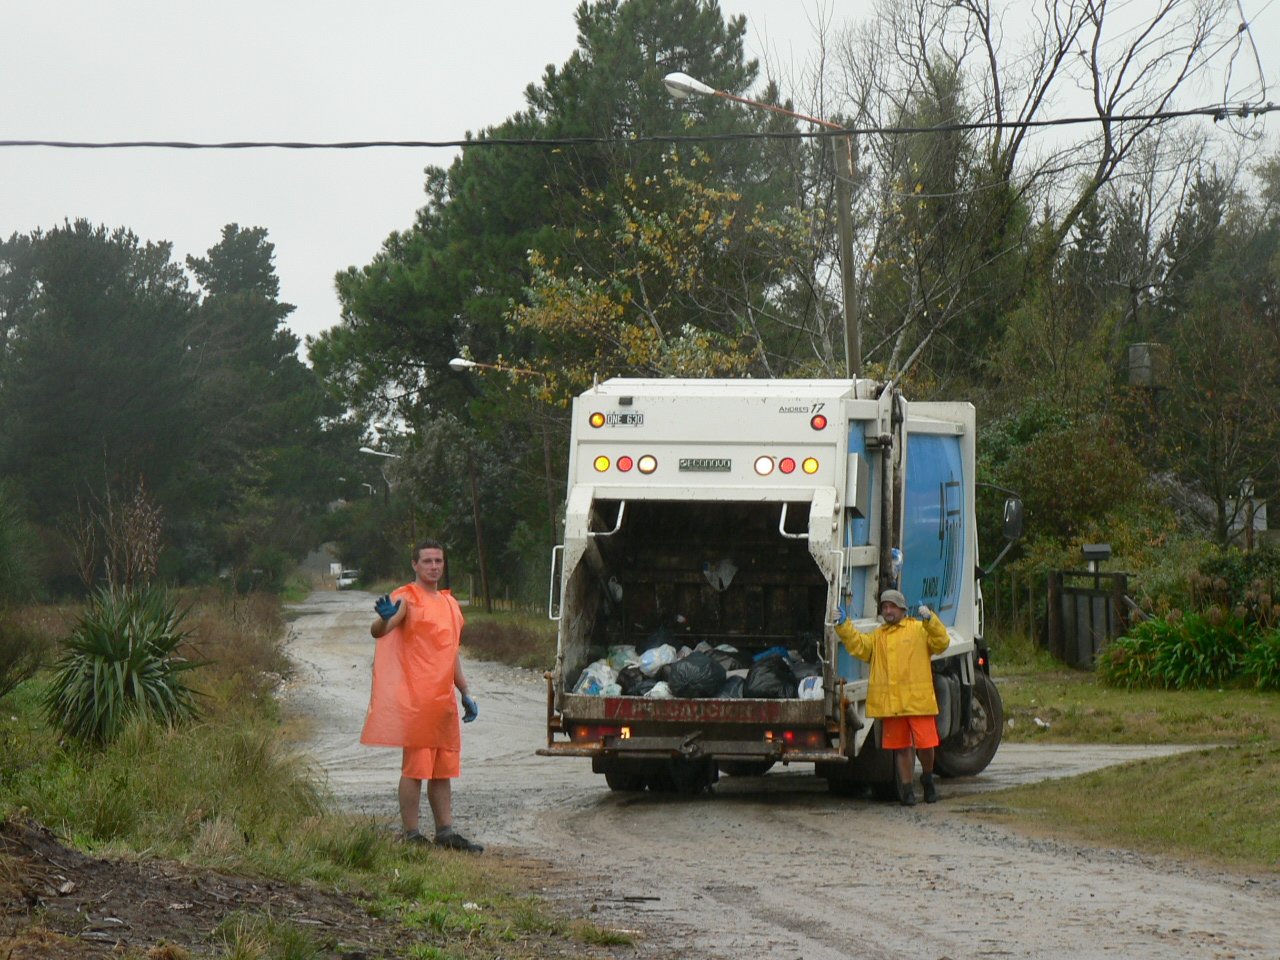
{"x":385,"y":608}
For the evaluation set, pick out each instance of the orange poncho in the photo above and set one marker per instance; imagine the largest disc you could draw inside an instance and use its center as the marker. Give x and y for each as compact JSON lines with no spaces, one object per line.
{"x":413,"y":703}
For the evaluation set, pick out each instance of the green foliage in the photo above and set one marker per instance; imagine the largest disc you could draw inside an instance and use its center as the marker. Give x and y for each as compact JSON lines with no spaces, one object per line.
{"x":22,"y":653}
{"x":120,"y":662}
{"x":1261,"y":662}
{"x":1184,"y":653}
{"x":18,"y":549}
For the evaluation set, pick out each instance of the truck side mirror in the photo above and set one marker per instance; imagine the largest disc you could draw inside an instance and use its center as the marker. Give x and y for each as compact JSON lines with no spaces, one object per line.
{"x":1013,"y":519}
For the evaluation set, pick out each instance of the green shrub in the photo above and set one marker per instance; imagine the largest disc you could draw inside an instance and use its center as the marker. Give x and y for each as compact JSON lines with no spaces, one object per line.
{"x":1128,"y":661}
{"x":1261,"y":663}
{"x":120,"y":661}
{"x":21,"y":654}
{"x":1179,"y":653}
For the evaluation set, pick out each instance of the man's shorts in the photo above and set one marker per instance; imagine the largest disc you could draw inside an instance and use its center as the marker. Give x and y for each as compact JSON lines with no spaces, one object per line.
{"x":430,"y":763}
{"x":898,"y":733}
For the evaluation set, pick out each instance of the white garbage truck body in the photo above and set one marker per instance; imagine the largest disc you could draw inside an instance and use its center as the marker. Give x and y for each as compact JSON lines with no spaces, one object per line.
{"x":737,"y":515}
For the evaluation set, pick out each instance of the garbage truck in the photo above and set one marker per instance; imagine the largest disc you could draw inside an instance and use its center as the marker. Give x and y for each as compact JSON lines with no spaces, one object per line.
{"x":712,"y":530}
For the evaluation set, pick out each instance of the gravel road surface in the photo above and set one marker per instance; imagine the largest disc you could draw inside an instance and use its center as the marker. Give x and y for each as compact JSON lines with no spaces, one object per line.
{"x":774,"y":866}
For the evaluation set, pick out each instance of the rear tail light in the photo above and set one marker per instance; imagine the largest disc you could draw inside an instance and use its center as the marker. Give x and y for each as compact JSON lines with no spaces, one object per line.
{"x":787,"y":465}
{"x":592,"y":732}
{"x":818,"y":422}
{"x":625,"y":464}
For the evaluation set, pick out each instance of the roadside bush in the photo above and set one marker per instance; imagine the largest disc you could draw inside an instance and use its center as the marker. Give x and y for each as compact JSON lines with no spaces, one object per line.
{"x":1261,"y":663}
{"x":120,"y":661}
{"x":1179,"y":653}
{"x":21,"y":655}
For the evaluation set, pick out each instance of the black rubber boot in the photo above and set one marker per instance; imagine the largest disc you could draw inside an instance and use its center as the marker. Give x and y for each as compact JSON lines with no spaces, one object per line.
{"x":930,"y":789}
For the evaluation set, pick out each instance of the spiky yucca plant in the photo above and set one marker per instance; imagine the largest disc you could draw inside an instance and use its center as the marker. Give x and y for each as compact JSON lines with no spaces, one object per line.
{"x":121,"y":661}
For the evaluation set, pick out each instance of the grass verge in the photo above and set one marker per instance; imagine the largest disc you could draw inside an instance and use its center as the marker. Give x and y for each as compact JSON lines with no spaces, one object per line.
{"x":222,"y":794}
{"x":1219,"y":806}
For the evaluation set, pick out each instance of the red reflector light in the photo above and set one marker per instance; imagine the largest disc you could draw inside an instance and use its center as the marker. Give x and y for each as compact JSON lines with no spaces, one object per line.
{"x":810,"y":739}
{"x":787,"y":465}
{"x":596,"y":420}
{"x":592,"y":732}
{"x":625,"y":463}
{"x":819,"y":422}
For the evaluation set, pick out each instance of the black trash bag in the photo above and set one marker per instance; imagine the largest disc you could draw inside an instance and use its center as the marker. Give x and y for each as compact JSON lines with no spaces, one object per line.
{"x":802,"y":670}
{"x":732,"y":688}
{"x":730,"y":661}
{"x":771,"y":679}
{"x":697,"y":675}
{"x":630,"y":677}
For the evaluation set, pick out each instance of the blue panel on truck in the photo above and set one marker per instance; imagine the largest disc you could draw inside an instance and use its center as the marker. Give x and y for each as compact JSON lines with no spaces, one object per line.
{"x":933,"y":524}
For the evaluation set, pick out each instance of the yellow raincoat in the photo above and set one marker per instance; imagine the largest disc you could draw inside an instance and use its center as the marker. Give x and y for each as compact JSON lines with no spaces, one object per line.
{"x":901,"y":681}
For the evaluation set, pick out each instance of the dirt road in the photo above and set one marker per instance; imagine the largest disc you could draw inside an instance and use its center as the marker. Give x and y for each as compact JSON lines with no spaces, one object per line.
{"x":774,"y":866}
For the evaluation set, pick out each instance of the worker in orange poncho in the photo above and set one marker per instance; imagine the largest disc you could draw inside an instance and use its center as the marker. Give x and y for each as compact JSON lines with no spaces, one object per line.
{"x":900,"y":687}
{"x":416,"y":667}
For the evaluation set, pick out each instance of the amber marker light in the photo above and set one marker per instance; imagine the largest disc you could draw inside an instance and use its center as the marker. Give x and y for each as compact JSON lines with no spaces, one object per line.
{"x":601,"y":464}
{"x":764,"y":466}
{"x":596,"y":420}
{"x":787,"y":465}
{"x":647,"y":464}
{"x":810,"y":465}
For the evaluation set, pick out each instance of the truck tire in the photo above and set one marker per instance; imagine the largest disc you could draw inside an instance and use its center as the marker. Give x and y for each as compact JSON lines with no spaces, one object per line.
{"x":968,"y":752}
{"x":745,"y":768}
{"x":626,"y":781}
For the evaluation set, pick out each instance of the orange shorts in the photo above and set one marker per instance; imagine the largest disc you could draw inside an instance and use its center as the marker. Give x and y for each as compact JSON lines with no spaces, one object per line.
{"x":897,"y":733}
{"x":430,"y":763}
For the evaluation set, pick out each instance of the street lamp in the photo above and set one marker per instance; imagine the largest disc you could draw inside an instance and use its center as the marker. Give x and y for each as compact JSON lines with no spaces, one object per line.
{"x":462,"y":364}
{"x":380,"y":453}
{"x":682,"y":86}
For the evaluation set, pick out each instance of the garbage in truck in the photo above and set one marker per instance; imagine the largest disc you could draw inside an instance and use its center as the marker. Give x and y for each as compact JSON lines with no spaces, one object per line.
{"x":595,"y":678}
{"x":651,"y":661}
{"x":697,"y":675}
{"x":770,"y":679}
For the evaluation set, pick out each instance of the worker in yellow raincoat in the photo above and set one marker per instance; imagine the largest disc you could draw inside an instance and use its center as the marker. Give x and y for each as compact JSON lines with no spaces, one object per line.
{"x":416,"y":668}
{"x":900,"y":687}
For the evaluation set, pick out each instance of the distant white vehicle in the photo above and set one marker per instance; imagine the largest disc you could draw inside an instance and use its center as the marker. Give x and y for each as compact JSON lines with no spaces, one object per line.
{"x":348,"y":578}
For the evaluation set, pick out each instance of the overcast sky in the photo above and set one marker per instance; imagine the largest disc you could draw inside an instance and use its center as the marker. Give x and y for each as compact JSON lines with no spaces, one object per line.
{"x":315,"y":70}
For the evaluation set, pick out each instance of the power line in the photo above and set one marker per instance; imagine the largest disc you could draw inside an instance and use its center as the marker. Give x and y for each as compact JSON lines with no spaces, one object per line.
{"x":1216,"y":112}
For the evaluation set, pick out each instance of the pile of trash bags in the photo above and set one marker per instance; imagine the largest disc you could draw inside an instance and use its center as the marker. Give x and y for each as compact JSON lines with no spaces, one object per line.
{"x":701,"y":672}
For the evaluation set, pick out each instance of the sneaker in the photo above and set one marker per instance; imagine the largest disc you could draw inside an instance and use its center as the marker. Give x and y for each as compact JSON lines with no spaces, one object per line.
{"x":413,"y":836}
{"x":456,"y":841}
{"x":908,"y":795}
{"x":930,"y":789}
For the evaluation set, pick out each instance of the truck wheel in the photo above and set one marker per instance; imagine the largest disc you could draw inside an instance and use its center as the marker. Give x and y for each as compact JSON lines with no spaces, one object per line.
{"x":745,"y":768}
{"x":968,"y":753}
{"x":627,"y":781}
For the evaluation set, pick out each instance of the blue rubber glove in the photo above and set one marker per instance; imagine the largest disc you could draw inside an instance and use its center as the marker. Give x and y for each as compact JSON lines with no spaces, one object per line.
{"x":843,"y":613}
{"x":470,"y":709}
{"x":385,"y":608}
